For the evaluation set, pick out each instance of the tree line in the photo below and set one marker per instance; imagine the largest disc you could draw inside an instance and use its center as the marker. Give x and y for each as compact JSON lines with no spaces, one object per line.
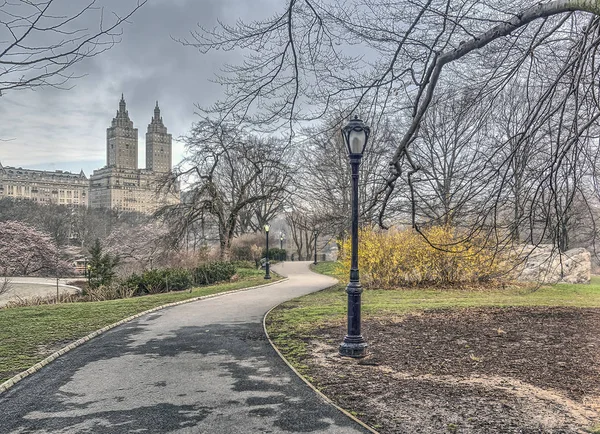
{"x":484,"y":116}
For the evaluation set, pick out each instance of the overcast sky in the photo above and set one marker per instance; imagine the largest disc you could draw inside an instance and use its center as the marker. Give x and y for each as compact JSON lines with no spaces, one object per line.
{"x":54,"y":129}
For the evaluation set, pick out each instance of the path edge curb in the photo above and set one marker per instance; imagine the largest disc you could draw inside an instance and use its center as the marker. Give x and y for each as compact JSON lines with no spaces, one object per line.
{"x":39,"y":365}
{"x":308,"y":383}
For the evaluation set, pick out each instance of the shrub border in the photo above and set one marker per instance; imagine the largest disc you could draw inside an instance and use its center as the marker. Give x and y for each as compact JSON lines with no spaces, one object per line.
{"x":39,"y":365}
{"x":308,"y":383}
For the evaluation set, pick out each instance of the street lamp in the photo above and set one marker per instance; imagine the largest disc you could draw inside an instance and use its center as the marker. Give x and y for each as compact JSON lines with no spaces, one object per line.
{"x":281,"y":238}
{"x":355,"y":135}
{"x":267,"y":275}
{"x":85,"y":273}
{"x":316,"y":234}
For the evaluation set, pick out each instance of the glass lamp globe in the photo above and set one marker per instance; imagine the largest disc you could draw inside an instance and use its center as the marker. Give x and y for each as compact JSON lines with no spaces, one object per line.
{"x":355,"y":135}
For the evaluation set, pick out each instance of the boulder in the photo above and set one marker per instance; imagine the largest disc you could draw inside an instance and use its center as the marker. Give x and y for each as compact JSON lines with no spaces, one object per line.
{"x":544,"y":264}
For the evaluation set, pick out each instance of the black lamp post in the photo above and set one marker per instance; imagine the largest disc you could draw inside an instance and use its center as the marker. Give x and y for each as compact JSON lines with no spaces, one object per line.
{"x":267,"y":275}
{"x":281,"y":238}
{"x":355,"y":135}
{"x":316,"y":234}
{"x":85,"y":273}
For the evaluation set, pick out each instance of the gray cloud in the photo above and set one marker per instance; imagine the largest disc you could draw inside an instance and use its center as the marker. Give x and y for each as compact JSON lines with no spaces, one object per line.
{"x":60,"y":129}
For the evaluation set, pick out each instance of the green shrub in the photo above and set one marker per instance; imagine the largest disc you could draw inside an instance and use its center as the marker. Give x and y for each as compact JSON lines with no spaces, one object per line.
{"x":156,"y":281}
{"x":178,"y":279}
{"x":134,"y":281}
{"x":212,"y":272}
{"x":275,"y":254}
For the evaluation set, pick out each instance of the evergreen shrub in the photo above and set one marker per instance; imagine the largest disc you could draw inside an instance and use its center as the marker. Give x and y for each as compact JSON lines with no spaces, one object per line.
{"x":179,"y":279}
{"x":212,"y":272}
{"x":275,"y":254}
{"x":156,"y":281}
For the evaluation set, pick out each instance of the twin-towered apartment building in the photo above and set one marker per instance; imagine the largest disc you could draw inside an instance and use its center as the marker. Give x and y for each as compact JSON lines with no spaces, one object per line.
{"x":120,"y":184}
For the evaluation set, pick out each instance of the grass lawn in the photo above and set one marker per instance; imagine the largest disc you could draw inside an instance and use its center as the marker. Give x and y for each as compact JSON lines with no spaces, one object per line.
{"x":292,"y":323}
{"x":29,"y":334}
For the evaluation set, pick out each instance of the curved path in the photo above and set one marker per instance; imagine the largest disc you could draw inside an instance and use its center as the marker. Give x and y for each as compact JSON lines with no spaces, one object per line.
{"x":201,"y":367}
{"x":27,"y":287}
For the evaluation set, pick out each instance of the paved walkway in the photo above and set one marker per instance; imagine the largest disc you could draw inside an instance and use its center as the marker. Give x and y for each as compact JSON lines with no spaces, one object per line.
{"x":27,"y":287}
{"x":202,"y":367}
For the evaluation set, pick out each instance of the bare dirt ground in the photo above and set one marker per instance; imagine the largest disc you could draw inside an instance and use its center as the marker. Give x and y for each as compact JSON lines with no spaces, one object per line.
{"x":493,"y":370}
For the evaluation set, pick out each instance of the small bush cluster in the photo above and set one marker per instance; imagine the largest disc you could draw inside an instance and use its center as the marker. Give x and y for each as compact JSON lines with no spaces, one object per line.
{"x":275,"y":254}
{"x":212,"y":272}
{"x":153,"y":281}
{"x":401,"y":258}
{"x":247,"y":247}
{"x":160,"y":280}
{"x":157,"y":281}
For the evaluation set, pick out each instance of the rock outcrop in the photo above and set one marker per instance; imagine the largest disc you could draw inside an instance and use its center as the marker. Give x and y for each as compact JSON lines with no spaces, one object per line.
{"x":544,"y":264}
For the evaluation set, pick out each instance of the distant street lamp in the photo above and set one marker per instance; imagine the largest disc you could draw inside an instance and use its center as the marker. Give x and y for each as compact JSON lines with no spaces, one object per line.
{"x":267,"y":275}
{"x":281,"y":238}
{"x":356,"y":135}
{"x":85,"y":270}
{"x":316,"y":234}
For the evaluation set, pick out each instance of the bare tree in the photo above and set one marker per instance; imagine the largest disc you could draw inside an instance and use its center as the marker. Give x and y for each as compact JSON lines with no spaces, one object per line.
{"x":227,"y":173}
{"x":323,"y":187}
{"x":40,"y":41}
{"x":394,"y":57}
{"x":450,"y":153}
{"x":5,"y":285}
{"x":141,"y":247}
{"x":302,"y":225}
{"x":252,"y":219}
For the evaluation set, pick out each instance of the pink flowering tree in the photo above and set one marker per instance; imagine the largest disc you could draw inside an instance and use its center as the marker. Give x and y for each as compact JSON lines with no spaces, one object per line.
{"x":26,"y":251}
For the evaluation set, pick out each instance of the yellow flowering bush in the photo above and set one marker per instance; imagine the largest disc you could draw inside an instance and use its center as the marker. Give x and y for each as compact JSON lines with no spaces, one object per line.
{"x":400,"y":258}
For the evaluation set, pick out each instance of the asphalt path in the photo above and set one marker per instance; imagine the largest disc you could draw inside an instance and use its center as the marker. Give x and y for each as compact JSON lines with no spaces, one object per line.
{"x":28,"y":287}
{"x":201,"y":367}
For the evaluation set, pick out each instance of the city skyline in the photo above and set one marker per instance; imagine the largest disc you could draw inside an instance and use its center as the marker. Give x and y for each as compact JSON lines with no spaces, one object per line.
{"x":70,"y":166}
{"x":65,"y":129}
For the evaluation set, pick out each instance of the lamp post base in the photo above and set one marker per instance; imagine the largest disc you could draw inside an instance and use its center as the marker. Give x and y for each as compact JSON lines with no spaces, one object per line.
{"x":353,"y":346}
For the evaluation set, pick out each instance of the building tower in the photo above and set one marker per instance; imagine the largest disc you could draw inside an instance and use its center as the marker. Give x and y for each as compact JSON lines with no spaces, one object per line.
{"x":122,"y":140}
{"x":158,"y":145}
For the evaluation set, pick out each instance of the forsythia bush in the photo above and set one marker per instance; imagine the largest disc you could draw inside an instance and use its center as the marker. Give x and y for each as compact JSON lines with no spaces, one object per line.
{"x":400,"y":258}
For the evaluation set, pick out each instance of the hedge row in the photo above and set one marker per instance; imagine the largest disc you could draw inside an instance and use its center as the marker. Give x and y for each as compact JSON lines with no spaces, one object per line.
{"x":275,"y":254}
{"x":178,"y":279}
